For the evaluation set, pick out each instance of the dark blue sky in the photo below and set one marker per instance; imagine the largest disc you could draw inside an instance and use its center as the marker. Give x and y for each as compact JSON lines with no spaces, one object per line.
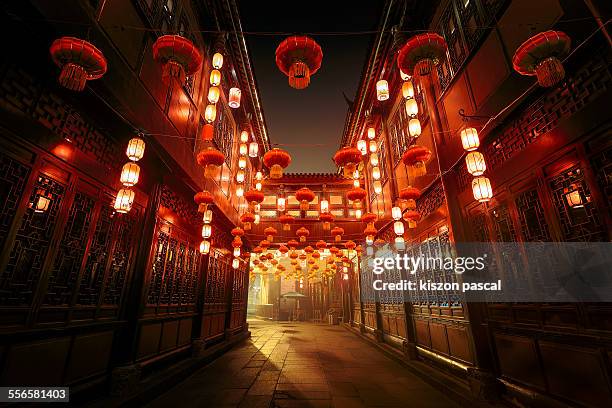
{"x":314,"y":115}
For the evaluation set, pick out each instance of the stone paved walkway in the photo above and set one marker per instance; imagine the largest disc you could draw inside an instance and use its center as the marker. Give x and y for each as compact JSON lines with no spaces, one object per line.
{"x":303,"y":365}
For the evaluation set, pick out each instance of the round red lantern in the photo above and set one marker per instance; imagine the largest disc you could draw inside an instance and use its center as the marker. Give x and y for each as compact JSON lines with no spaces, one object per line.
{"x":237,"y":232}
{"x":270,"y":233}
{"x":79,"y":60}
{"x":326,"y":219}
{"x":211,"y":159}
{"x":276,"y":160}
{"x":286,"y":220}
{"x":356,"y":194}
{"x":179,"y":57}
{"x":203,"y":199}
{"x":415,"y":158}
{"x":309,"y":249}
{"x":264,"y":244}
{"x":247,"y":218}
{"x":299,"y":57}
{"x":350,"y":245}
{"x":207,"y":132}
{"x":369,"y":218}
{"x":321,"y":245}
{"x":410,"y":195}
{"x":292,"y":244}
{"x":304,"y":195}
{"x":303,"y":233}
{"x":348,"y":158}
{"x":337,"y":232}
{"x":370,"y":231}
{"x":283,"y":249}
{"x":412,"y":217}
{"x":420,"y":53}
{"x":254,"y":197}
{"x":237,"y":242}
{"x":541,"y":54}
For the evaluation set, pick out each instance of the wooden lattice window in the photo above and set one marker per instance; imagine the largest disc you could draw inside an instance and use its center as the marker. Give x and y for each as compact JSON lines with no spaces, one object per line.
{"x":531,"y":217}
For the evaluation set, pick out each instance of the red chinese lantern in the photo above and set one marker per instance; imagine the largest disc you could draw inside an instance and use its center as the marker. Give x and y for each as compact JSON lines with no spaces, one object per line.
{"x":370,"y":231}
{"x":246,"y":219}
{"x":292,"y":244}
{"x":369,"y":218}
{"x":203,"y":199}
{"x":410,"y":195}
{"x":211,"y":159}
{"x":79,"y":60}
{"x":348,"y":158}
{"x":264,"y":244}
{"x":303,"y":233}
{"x":420,"y":53}
{"x":283,"y":249}
{"x":350,"y":245}
{"x":540,"y":56}
{"x":326,"y":219}
{"x":293,"y":255}
{"x":309,"y":249}
{"x":286,"y":220}
{"x":179,"y":57}
{"x":337,"y":232}
{"x":276,"y":160}
{"x":415,"y":158}
{"x":237,"y":242}
{"x":412,"y":217}
{"x":299,"y":57}
{"x":356,"y":194}
{"x":257,"y":250}
{"x":321,"y":245}
{"x":316,"y":255}
{"x":270,"y":233}
{"x":254,"y":197}
{"x":304,"y":195}
{"x":237,"y":232}
{"x":207,"y":132}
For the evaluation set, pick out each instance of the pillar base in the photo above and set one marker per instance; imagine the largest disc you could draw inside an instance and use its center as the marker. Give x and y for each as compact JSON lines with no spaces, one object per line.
{"x":198,"y":346}
{"x":125,"y":379}
{"x":362,"y":328}
{"x":410,"y":350}
{"x":378,"y":335}
{"x":483,"y":384}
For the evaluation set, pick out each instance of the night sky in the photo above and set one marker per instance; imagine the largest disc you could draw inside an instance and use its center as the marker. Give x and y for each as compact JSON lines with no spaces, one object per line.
{"x":296,"y":119}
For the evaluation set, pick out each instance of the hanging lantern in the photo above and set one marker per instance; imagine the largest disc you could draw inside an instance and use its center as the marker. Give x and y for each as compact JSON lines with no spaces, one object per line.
{"x":420,"y":53}
{"x":247,"y":218}
{"x":299,"y":57}
{"x":253,"y":149}
{"x":244,"y":136}
{"x":203,"y":199}
{"x":213,"y":94}
{"x":207,"y":217}
{"x":574,"y":197}
{"x":369,"y":240}
{"x":412,"y":108}
{"x":469,"y":139}
{"x":369,"y":218}
{"x":371,"y":133}
{"x":303,"y":233}
{"x":207,"y":132}
{"x":324,"y":206}
{"x":129,"y":174}
{"x":211,"y":159}
{"x":350,"y":245}
{"x":242,"y":162}
{"x":135,"y":149}
{"x":408,"y":90}
{"x":217,"y":60}
{"x":254,"y":197}
{"x":396,"y":213}
{"x":356,"y":183}
{"x":236,"y":252}
{"x":239,"y":191}
{"x":409,"y":195}
{"x":79,"y":60}
{"x":286,"y":220}
{"x":304,"y":195}
{"x":124,"y":201}
{"x":415,"y":158}
{"x":178,"y":56}
{"x":258,"y":186}
{"x":376,"y":173}
{"x":240,"y":176}
{"x":541,"y":54}
{"x":347,"y":158}
{"x":356,"y":194}
{"x":276,"y":160}
{"x":210,"y":113}
{"x":236,"y":263}
{"x":377,"y":187}
{"x":283,"y":250}
{"x":414,"y":127}
{"x":398,"y":227}
{"x":411,"y":216}
{"x":280,"y":204}
{"x":258,"y":176}
{"x":257,"y":219}
{"x":265,"y":245}
{"x":204,"y":247}
{"x":215,"y":77}
{"x":373,"y":159}
{"x":337,"y":233}
{"x":321,"y":245}
{"x":400,"y":244}
{"x":481,"y":188}
{"x":270,"y":233}
{"x":362,"y":146}
{"x":373,"y":147}
{"x":292,"y":244}
{"x":382,"y":90}
{"x":237,"y":232}
{"x":206,"y":231}
{"x":475,"y":163}
{"x":326,"y":219}
{"x":41,"y":203}
{"x":370,"y":232}
{"x":358,"y":214}
{"x":234,"y":98}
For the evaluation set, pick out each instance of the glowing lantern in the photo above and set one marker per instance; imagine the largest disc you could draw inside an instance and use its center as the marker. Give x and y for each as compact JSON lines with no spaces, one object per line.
{"x":79,"y":60}
{"x":270,"y":233}
{"x":398,"y":227}
{"x":303,"y":233}
{"x":234,"y":98}
{"x":382,"y":90}
{"x":210,"y":113}
{"x":292,"y":244}
{"x":574,"y":198}
{"x":242,"y":162}
{"x":257,"y":219}
{"x":206,"y":231}
{"x":286,"y":220}
{"x":324,"y":206}
{"x":376,"y":173}
{"x":211,"y":159}
{"x":215,"y":77}
{"x":237,"y":252}
{"x":179,"y":57}
{"x":420,"y":53}
{"x":540,"y":55}
{"x":246,"y":219}
{"x":299,"y":57}
{"x":356,"y":183}
{"x":369,"y":241}
{"x":414,"y":127}
{"x":377,"y":187}
{"x":407,"y":90}
{"x":243,"y":149}
{"x":399,"y":243}
{"x":362,"y":146}
{"x":124,"y":200}
{"x":396,"y":213}
{"x":373,"y":147}
{"x":207,"y":132}
{"x":412,"y":217}
{"x":481,"y":188}
{"x":203,"y":199}
{"x":240,"y":176}
{"x":276,"y":160}
{"x":207,"y":217}
{"x":258,"y":176}
{"x":204,"y":247}
{"x":410,"y":195}
{"x":374,"y":159}
{"x":371,"y":133}
{"x":254,"y":197}
{"x":217,"y":60}
{"x":258,"y":186}
{"x":469,"y":139}
{"x":369,"y":218}
{"x":129,"y":174}
{"x":265,"y":245}
{"x":337,"y":232}
{"x":253,"y":149}
{"x":358,"y":214}
{"x":415,"y":158}
{"x":326,"y":219}
{"x":213,"y":94}
{"x":135,"y":149}
{"x":304,"y":195}
{"x":475,"y":162}
{"x":280,"y":204}
{"x":239,"y":191}
{"x":356,"y":194}
{"x":412,"y":109}
{"x":236,"y":263}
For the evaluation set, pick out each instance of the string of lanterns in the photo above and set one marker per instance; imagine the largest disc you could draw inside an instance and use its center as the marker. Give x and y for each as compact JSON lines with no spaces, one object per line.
{"x":130,"y":174}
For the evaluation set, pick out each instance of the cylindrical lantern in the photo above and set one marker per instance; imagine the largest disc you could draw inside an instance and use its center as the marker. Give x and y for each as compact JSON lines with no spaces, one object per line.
{"x":239,"y":191}
{"x":412,"y":109}
{"x":243,"y":149}
{"x":135,"y":149}
{"x":258,"y":186}
{"x":235,"y":263}
{"x":358,"y":214}
{"x":371,"y":133}
{"x":253,"y":149}
{"x":408,"y":90}
{"x":369,"y":239}
{"x":204,"y":247}
{"x":242,"y":162}
{"x":236,"y":252}
{"x":377,"y":187}
{"x":373,"y":147}
{"x":398,"y":228}
{"x":382,"y":90}
{"x":217,"y":60}
{"x":414,"y":127}
{"x":240,"y":176}
{"x":234,"y":98}
{"x":206,"y":231}
{"x":257,"y":219}
{"x":215,"y":77}
{"x":324,"y":206}
{"x":42,"y":204}
{"x":213,"y":94}
{"x":356,"y":183}
{"x":481,"y":188}
{"x":469,"y":139}
{"x":258,"y":176}
{"x":376,"y":173}
{"x":374,"y":159}
{"x":362,"y":146}
{"x":129,"y":174}
{"x":280,"y":204}
{"x":475,"y":162}
{"x":207,"y":217}
{"x":244,"y":136}
{"x":210,"y":113}
{"x":124,"y":200}
{"x":396,"y":213}
{"x":399,"y":243}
